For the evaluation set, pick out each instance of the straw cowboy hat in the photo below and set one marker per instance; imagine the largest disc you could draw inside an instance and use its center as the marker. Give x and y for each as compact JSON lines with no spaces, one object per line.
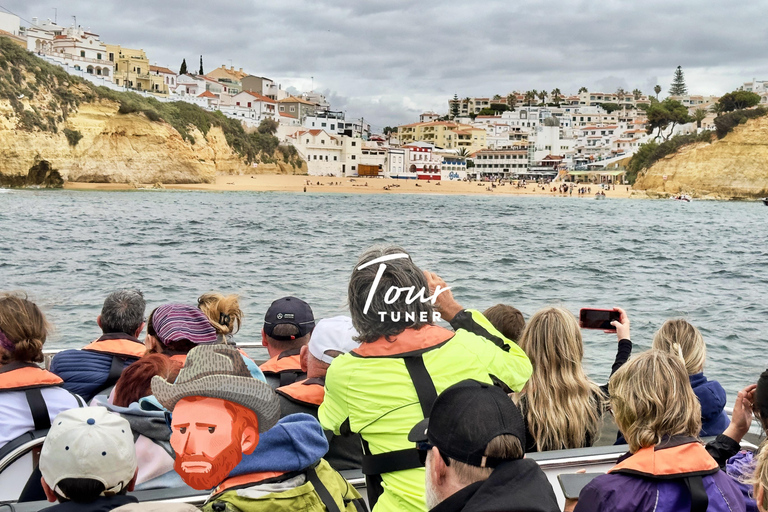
{"x":218,"y":371}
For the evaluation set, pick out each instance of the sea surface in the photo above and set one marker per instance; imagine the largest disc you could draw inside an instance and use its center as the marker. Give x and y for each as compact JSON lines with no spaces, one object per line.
{"x":705,"y":261}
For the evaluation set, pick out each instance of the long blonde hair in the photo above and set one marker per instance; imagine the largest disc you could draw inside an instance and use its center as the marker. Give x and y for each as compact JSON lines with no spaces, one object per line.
{"x":651,"y":397}
{"x":563,"y":407}
{"x":223,"y":312}
{"x":760,"y":476}
{"x":677,"y":336}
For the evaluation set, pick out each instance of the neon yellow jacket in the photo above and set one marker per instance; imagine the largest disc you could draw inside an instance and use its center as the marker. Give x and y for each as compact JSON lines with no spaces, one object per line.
{"x":369,"y":390}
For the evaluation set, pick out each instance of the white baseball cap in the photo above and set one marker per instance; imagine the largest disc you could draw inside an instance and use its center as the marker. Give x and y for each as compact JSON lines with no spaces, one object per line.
{"x":335,"y":333}
{"x":89,"y":443}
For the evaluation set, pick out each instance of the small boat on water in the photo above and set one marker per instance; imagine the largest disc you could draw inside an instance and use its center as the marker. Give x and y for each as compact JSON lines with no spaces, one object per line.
{"x":682,"y":197}
{"x":765,"y":201}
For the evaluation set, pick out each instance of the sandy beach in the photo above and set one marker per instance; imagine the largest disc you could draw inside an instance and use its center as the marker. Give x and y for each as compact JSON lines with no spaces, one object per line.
{"x":314,"y":184}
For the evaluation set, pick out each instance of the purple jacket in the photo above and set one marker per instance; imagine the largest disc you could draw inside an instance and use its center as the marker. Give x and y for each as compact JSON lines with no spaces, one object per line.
{"x":657,"y":478}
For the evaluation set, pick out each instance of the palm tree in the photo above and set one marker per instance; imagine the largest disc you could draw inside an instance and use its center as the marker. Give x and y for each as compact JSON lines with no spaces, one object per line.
{"x":556,"y":96}
{"x":657,"y":90}
{"x":530,"y":96}
{"x":468,"y":100}
{"x":542,"y":95}
{"x":463,"y":152}
{"x":512,"y":101}
{"x":698,"y":115}
{"x":637,"y":93}
{"x":583,"y":89}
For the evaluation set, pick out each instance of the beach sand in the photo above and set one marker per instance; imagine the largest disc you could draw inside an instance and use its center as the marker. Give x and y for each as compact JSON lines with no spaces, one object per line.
{"x":291,"y":183}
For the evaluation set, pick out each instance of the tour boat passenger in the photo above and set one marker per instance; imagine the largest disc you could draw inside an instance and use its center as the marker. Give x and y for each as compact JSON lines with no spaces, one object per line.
{"x":31,"y":396}
{"x":330,"y":338}
{"x":666,"y":469}
{"x":388,"y":384}
{"x":508,"y":320}
{"x":561,"y":406}
{"x":96,"y":367}
{"x":679,"y":336}
{"x":175,"y":329}
{"x":761,"y":480}
{"x":288,"y":326}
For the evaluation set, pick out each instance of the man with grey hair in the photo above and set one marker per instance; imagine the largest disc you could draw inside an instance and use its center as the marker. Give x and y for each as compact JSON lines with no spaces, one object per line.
{"x":388,"y":384}
{"x":96,"y":367}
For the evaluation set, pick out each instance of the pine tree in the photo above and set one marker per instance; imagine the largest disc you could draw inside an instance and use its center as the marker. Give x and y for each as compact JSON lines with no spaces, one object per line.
{"x":201,"y":66}
{"x":455,"y":106}
{"x":183,"y":69}
{"x":678,"y":87}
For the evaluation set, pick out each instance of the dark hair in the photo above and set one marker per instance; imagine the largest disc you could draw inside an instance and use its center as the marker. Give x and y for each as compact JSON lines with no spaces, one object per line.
{"x":25,"y":326}
{"x":399,"y":273}
{"x":760,"y":405}
{"x":135,"y":381}
{"x":81,"y":490}
{"x":507,"y":320}
{"x":123,"y":311}
{"x":287,"y":330}
{"x":179,"y":346}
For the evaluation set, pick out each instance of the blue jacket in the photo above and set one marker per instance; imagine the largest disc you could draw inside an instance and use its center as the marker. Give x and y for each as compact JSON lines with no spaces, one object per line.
{"x":295,"y":443}
{"x":712,"y":398}
{"x":85,"y":371}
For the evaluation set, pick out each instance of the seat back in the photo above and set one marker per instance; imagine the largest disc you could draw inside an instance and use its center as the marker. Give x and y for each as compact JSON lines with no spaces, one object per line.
{"x":18,"y":460}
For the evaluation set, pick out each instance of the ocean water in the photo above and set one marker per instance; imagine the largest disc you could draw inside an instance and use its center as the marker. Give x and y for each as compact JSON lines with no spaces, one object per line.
{"x":705,"y":261}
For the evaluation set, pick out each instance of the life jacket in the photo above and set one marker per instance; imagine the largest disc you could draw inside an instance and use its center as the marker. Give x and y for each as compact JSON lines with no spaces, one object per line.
{"x":675,"y":458}
{"x":30,"y":378}
{"x":248,"y":479}
{"x":118,"y":344}
{"x":410,"y":345}
{"x":286,"y":366}
{"x":306,"y":392}
{"x":182,"y":358}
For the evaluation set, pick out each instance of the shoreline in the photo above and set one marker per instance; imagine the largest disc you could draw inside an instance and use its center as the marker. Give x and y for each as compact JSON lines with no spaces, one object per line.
{"x":309,"y":184}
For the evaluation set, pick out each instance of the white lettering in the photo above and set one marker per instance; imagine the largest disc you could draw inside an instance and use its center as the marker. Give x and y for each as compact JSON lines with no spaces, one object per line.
{"x":438,"y":290}
{"x":395,"y":316}
{"x":382,"y":314}
{"x":410,"y":298}
{"x":410,"y":316}
{"x":423,"y":317}
{"x":375,"y":285}
{"x":436,"y":316}
{"x":388,"y":296}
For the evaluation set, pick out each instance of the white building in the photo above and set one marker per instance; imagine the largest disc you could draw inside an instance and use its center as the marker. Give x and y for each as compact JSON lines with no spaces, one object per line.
{"x":500,"y":163}
{"x":326,"y":154}
{"x":453,"y":166}
{"x":169,"y":76}
{"x":428,"y":117}
{"x":421,"y":162}
{"x":250,"y":106}
{"x":759,"y":87}
{"x":189,"y":85}
{"x":73,"y":46}
{"x":395,"y":162}
{"x":10,"y":23}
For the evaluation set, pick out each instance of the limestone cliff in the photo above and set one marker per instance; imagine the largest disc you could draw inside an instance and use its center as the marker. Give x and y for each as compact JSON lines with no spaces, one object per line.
{"x":734,"y":167}
{"x":56,"y":128}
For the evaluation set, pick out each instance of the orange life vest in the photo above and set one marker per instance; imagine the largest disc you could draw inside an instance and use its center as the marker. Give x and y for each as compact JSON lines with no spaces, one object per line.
{"x":410,"y":340}
{"x":306,"y":392}
{"x":288,"y":361}
{"x":20,"y":376}
{"x":247,"y":479}
{"x":118,"y":347}
{"x":677,"y":457}
{"x":182,"y":358}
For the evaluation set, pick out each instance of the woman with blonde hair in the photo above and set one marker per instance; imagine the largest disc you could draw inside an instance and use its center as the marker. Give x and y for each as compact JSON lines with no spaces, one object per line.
{"x":224,"y":313}
{"x":666,"y":469}
{"x":681,"y":338}
{"x":31,"y":396}
{"x":561,"y":406}
{"x":761,"y":479}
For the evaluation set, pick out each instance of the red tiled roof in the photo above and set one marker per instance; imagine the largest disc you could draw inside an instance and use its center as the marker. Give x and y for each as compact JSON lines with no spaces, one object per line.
{"x":207,"y":94}
{"x":161,"y":69}
{"x":260,"y":97}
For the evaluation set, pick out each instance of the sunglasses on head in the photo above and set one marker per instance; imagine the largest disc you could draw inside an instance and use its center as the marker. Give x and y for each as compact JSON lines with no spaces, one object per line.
{"x":424,"y":448}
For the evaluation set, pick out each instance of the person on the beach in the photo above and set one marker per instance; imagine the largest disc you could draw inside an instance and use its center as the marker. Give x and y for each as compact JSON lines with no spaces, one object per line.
{"x":561,"y":406}
{"x":30,"y":396}
{"x":288,"y":326}
{"x":680,"y":337}
{"x":381,"y":389}
{"x":96,"y":367}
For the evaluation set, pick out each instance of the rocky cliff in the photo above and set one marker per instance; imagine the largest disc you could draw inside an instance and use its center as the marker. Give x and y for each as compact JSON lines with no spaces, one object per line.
{"x":734,"y":167}
{"x":56,"y":128}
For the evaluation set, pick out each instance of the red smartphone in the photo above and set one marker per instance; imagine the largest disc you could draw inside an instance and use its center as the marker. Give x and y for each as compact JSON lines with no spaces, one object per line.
{"x":592,"y":318}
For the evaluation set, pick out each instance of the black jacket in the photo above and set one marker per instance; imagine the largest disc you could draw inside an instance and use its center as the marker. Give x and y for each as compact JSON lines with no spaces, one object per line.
{"x":514,"y":486}
{"x":102,"y":504}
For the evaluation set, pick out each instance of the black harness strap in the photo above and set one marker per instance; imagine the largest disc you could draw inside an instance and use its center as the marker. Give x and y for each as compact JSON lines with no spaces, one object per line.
{"x":115,"y":370}
{"x":38,"y":408}
{"x":322,"y":491}
{"x":699,"y":498}
{"x":388,"y":462}
{"x":288,"y":377}
{"x":425,"y":388}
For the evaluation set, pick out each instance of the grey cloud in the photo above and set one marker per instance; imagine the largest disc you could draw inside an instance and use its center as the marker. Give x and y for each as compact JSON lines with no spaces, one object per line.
{"x":389,"y":60}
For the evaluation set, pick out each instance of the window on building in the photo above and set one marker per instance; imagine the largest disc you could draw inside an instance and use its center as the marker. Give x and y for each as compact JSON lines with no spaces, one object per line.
{"x":249,"y":104}
{"x":293,"y":109}
{"x":112,"y":58}
{"x":82,"y":53}
{"x":353,"y":157}
{"x":322,"y":125}
{"x":98,"y":56}
{"x":353,"y":167}
{"x":315,"y":157}
{"x":335,"y":158}
{"x":326,"y":158}
{"x":307,"y":141}
{"x":322,"y":141}
{"x":354,"y":143}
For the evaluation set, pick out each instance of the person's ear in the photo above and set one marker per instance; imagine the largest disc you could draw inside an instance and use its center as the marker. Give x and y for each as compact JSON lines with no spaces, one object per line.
{"x":303,"y":355}
{"x":264,"y":339}
{"x":249,"y":440}
{"x":132,"y":484}
{"x":138,"y":331}
{"x":153,"y":346}
{"x":98,"y":321}
{"x":439,"y":469}
{"x":49,"y":494}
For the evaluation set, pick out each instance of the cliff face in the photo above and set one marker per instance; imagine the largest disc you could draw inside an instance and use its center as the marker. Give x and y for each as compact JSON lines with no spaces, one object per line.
{"x":734,"y":167}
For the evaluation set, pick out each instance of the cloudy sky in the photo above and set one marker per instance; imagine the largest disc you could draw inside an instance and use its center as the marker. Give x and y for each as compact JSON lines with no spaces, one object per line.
{"x":390,"y":60}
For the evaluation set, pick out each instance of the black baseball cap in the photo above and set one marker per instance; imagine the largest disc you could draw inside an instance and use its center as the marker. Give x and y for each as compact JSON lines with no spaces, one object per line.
{"x":289,"y":310}
{"x":465,"y":418}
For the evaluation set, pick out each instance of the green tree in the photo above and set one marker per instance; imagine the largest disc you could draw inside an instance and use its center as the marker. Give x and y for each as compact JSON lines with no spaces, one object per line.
{"x":657,"y":90}
{"x":698,"y":115}
{"x":530,"y":96}
{"x":610,"y":107}
{"x":496,"y":97}
{"x":455,"y":106}
{"x":556,"y":95}
{"x":542,"y":96}
{"x":666,"y":114}
{"x":583,"y":89}
{"x":637,"y":93}
{"x":183,"y":68}
{"x":736,"y":100}
{"x":463,"y":152}
{"x":512,"y":101}
{"x":268,"y":126}
{"x":678,"y":87}
{"x":201,"y":66}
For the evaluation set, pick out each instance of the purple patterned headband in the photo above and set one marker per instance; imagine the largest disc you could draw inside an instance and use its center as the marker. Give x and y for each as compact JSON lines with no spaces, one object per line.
{"x":174,"y":322}
{"x":6,"y":343}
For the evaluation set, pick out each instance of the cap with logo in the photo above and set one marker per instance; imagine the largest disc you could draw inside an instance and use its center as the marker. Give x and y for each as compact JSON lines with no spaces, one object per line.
{"x":289,"y":310}
{"x":465,"y":418}
{"x":335,"y":333}
{"x":90,"y":442}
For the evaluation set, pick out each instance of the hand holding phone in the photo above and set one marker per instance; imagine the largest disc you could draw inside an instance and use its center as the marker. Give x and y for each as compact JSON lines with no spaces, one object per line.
{"x":608,"y":320}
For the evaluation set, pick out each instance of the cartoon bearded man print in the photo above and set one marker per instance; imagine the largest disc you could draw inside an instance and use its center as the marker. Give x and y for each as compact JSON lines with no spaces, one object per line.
{"x":218,"y":411}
